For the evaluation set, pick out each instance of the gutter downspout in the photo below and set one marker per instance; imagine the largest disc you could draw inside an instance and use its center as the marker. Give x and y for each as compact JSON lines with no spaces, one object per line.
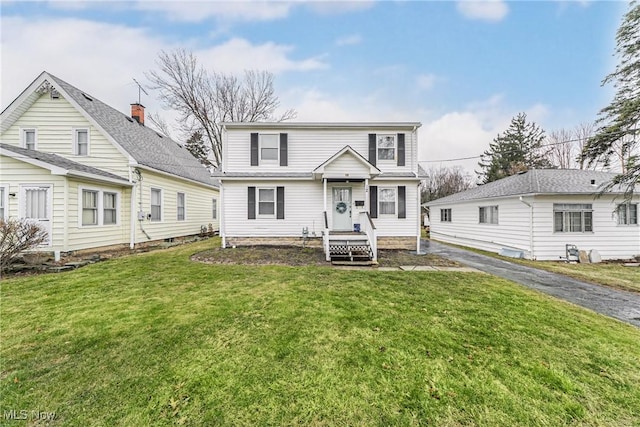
{"x":221,"y":225}
{"x":132,"y":213}
{"x":530,"y":226}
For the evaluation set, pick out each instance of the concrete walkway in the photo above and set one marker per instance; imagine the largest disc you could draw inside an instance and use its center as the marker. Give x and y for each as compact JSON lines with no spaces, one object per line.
{"x":622,"y":305}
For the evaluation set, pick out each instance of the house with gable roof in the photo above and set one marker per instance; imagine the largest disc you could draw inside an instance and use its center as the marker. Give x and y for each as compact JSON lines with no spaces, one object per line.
{"x":349,"y":187}
{"x":94,"y":177}
{"x":539,"y":212}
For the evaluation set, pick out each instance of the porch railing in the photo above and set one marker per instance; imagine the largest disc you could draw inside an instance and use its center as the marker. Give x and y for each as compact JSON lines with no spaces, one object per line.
{"x":369,"y":229}
{"x":325,"y":237}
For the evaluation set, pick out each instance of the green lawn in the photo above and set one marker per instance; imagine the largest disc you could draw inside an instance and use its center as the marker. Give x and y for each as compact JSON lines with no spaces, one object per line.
{"x":156,"y":339}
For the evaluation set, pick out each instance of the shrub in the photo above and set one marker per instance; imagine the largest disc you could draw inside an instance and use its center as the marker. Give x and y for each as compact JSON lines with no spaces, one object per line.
{"x":16,"y":237}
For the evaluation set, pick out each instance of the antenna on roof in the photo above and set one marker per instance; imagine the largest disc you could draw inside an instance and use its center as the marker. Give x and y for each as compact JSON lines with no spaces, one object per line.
{"x":140,"y":88}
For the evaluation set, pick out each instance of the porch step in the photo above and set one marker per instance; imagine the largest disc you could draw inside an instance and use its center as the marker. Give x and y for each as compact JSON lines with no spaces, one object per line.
{"x":355,"y":263}
{"x":350,"y":251}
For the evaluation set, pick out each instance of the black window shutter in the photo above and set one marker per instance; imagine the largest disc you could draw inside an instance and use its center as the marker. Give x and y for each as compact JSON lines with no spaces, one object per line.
{"x":373,"y":201}
{"x":372,"y":149}
{"x":251,"y":205}
{"x":402,"y":201}
{"x":283,"y":149}
{"x":254,"y":149}
{"x":279,"y":202}
{"x":401,"y":149}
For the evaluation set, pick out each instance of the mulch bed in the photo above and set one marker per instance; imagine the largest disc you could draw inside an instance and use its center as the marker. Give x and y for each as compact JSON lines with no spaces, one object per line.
{"x":297,"y":256}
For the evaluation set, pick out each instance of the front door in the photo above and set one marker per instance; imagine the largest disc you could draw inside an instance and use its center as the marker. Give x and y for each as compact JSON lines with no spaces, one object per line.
{"x":342,"y":208}
{"x":36,"y":206}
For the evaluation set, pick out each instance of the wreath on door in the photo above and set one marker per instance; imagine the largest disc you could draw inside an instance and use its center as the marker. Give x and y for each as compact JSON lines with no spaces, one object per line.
{"x":341,"y":207}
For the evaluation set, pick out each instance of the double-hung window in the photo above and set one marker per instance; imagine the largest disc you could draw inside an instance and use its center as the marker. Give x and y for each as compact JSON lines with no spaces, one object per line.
{"x":181,"y":207}
{"x":627,"y":214}
{"x":214,"y":206}
{"x":156,"y":204}
{"x":387,"y":201}
{"x":29,"y":139}
{"x":572,"y":217}
{"x":445,"y":215}
{"x":81,"y":142}
{"x":269,"y":148}
{"x":488,"y":215}
{"x":386,"y":147}
{"x":266,"y":201}
{"x":109,"y":208}
{"x":89,"y":207}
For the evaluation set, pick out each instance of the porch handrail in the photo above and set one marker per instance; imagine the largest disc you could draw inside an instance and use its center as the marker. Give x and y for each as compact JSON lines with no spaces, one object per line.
{"x":325,"y":238}
{"x":369,"y":228}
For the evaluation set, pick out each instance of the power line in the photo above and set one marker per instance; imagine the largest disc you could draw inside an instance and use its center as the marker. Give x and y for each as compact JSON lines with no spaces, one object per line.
{"x":551,"y":144}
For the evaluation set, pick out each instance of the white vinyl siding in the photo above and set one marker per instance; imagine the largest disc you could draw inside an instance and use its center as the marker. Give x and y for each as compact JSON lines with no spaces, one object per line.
{"x":488,"y":215}
{"x":386,"y":201}
{"x":181,"y":206}
{"x":627,"y":214}
{"x":572,"y":217}
{"x":309,"y":148}
{"x":386,"y":147}
{"x":29,"y":138}
{"x":81,"y":142}
{"x":156,"y":204}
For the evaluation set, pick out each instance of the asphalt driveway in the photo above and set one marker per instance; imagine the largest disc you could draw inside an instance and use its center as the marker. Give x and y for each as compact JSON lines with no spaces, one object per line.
{"x":622,"y":305}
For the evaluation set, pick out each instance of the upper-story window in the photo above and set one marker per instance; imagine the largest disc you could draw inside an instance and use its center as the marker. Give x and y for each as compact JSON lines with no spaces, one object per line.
{"x":386,"y":147}
{"x":81,"y":142}
{"x":29,"y":139}
{"x":269,"y":147}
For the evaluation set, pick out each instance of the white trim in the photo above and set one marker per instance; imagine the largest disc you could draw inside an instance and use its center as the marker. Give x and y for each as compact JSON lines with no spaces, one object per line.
{"x":395,"y":201}
{"x":5,"y":200}
{"x":394,"y":160}
{"x":22,"y":205}
{"x":184,"y":206}
{"x":408,"y":126}
{"x":150,"y":169}
{"x":151,"y":190}
{"x":99,"y":206}
{"x":275,"y":161}
{"x":275,"y":202}
{"x":75,"y":132}
{"x":23,"y":139}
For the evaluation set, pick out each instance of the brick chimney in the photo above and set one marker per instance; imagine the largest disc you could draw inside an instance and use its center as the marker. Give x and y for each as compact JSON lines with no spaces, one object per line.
{"x":137,"y":112}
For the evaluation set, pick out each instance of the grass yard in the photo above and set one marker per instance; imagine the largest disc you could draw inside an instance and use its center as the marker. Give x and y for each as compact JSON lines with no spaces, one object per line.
{"x":156,"y":339}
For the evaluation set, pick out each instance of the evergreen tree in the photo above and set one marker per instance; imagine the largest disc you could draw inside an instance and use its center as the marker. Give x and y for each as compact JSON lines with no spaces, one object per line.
{"x":617,"y":136}
{"x":198,"y":148}
{"x":518,"y":149}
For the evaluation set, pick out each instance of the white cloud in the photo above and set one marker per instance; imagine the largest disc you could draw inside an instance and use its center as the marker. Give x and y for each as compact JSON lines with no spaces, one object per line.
{"x":200,"y":10}
{"x":484,"y":10}
{"x":349,"y":40}
{"x":237,"y":55}
{"x":426,"y":81}
{"x":331,"y":7}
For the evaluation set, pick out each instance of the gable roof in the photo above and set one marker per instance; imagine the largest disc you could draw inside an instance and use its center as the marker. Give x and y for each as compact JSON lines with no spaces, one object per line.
{"x":345,"y":151}
{"x":59,"y":165}
{"x":537,"y":181}
{"x":144,"y":145}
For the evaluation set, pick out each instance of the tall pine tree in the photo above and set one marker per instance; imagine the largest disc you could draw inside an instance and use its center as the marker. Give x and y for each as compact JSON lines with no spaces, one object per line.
{"x":618,"y":134}
{"x":518,"y":149}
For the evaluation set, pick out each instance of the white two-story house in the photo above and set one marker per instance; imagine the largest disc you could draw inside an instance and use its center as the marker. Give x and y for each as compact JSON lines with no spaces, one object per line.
{"x":352,"y":187}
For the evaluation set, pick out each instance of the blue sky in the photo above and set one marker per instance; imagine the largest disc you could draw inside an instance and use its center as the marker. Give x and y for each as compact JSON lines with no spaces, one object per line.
{"x":463,"y":69}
